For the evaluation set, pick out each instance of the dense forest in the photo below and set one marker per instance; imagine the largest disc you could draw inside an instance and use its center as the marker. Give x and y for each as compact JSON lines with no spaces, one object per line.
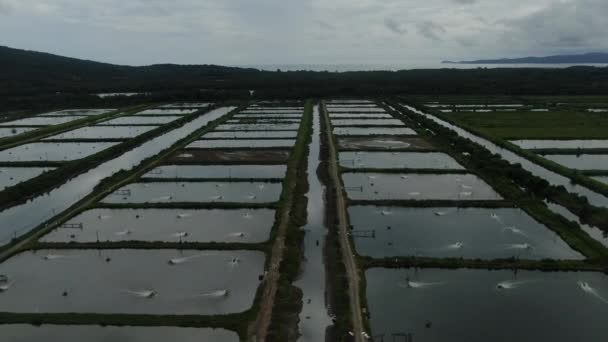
{"x":48,"y":80}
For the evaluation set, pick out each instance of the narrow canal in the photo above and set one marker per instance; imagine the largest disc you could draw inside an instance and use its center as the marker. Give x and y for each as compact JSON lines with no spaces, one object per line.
{"x":314,"y":318}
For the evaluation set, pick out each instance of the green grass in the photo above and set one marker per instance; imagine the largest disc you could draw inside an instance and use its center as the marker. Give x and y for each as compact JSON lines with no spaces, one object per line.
{"x":536,"y":125}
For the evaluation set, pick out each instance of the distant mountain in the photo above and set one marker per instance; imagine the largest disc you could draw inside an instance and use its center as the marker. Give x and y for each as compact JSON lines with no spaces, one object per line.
{"x":587,"y":58}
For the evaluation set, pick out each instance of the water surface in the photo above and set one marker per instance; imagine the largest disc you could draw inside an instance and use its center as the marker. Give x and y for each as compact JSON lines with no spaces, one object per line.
{"x":10,"y":176}
{"x":41,"y":121}
{"x":103,"y":132}
{"x":51,"y":151}
{"x":373,"y":131}
{"x":568,"y":144}
{"x":399,"y":160}
{"x":9,"y":132}
{"x":467,"y":305}
{"x":580,"y":162}
{"x":455,"y":232}
{"x":104,"y":281}
{"x":140,"y":120}
{"x":251,"y":134}
{"x":218,"y":171}
{"x":242,"y":143}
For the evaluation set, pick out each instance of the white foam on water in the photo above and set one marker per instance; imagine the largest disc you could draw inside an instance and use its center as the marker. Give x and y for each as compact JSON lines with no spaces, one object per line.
{"x":456,"y":245}
{"x":418,"y":284}
{"x":162,"y":199}
{"x":54,"y":256}
{"x":237,"y":234}
{"x":215,"y":294}
{"x":104,"y":217}
{"x":123,"y":233}
{"x":515,"y":230}
{"x":180,"y":234}
{"x":142,"y":293}
{"x":520,"y":246}
{"x":415,"y":193}
{"x":181,"y":216}
{"x":247,"y":215}
{"x":592,"y":291}
{"x":512,"y":284}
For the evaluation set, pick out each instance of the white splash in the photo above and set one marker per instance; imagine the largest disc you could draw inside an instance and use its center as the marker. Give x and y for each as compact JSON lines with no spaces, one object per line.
{"x":464,"y":186}
{"x":511,"y":284}
{"x":247,"y":215}
{"x":142,"y":293}
{"x":457,"y":245}
{"x":520,"y":246}
{"x":237,"y":234}
{"x":177,"y":261}
{"x":218,"y":197}
{"x":251,"y":197}
{"x":515,"y":230}
{"x":466,"y":193}
{"x":261,"y":187}
{"x":186,"y":155}
{"x":104,"y":217}
{"x":590,"y":290}
{"x":123,"y":233}
{"x":418,"y":284}
{"x":441,"y":213}
{"x":386,"y":212}
{"x":414,"y":193}
{"x":215,"y":294}
{"x":234,"y":261}
{"x":404,"y":177}
{"x":4,"y":287}
{"x":372,"y":177}
{"x":180,"y":234}
{"x":181,"y":216}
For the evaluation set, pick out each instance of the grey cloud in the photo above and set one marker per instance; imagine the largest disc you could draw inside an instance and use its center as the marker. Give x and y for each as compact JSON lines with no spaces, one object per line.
{"x":430,"y":30}
{"x":325,"y":25}
{"x":394,"y":26}
{"x":5,"y":8}
{"x":465,"y":2}
{"x":571,"y":24}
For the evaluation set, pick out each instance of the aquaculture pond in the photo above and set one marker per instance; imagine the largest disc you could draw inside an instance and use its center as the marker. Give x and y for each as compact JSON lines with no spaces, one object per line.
{"x":258,"y":127}
{"x":10,"y":176}
{"x":77,"y":112}
{"x":251,"y":135}
{"x":373,"y":131}
{"x":594,"y":232}
{"x":218,"y":171}
{"x":398,"y":160}
{"x":557,"y":144}
{"x":537,"y":170}
{"x":186,"y":282}
{"x":163,"y":111}
{"x":20,"y":219}
{"x":103,"y":132}
{"x":41,"y":121}
{"x":176,"y":192}
{"x":376,"y":186}
{"x":167,"y":225}
{"x":262,"y":121}
{"x":367,"y":122}
{"x":479,"y":306}
{"x":242,"y":143}
{"x":356,"y":110}
{"x":454,"y":232}
{"x":9,"y":132}
{"x":187,"y":105}
{"x":51,"y":151}
{"x":81,"y":333}
{"x":581,"y":161}
{"x":360,"y":116}
{"x":140,"y":120}
{"x":387,"y":143}
{"x":268,"y":116}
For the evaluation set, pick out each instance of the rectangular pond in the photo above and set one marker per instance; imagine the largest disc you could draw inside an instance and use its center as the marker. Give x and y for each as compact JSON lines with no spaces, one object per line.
{"x":172,"y":111}
{"x":603,"y":179}
{"x":367,"y":122}
{"x":387,"y":143}
{"x":580,"y":162}
{"x":10,"y":176}
{"x":203,"y":192}
{"x":218,"y":171}
{"x":242,"y":143}
{"x":480,"y":306}
{"x":383,"y":186}
{"x":398,"y":160}
{"x":167,"y":225}
{"x":104,"y":281}
{"x":472,"y":233}
{"x":268,"y":116}
{"x":245,"y":120}
{"x":103,"y":132}
{"x":41,"y":121}
{"x":140,"y":120}
{"x":373,"y":131}
{"x":187,"y":105}
{"x":51,"y":151}
{"x":258,"y":127}
{"x":91,"y":333}
{"x":251,"y":135}
{"x":356,"y":110}
{"x":565,"y":144}
{"x":360,"y":116}
{"x":80,"y":112}
{"x":6,"y":132}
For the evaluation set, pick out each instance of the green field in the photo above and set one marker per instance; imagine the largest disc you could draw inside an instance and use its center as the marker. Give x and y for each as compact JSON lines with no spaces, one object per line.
{"x":536,"y":125}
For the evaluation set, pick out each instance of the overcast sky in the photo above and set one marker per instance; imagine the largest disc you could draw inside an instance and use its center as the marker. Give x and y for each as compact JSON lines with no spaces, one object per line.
{"x":242,"y":32}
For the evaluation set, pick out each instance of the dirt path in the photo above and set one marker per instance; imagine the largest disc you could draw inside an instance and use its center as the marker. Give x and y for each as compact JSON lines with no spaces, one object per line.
{"x":348,"y":257}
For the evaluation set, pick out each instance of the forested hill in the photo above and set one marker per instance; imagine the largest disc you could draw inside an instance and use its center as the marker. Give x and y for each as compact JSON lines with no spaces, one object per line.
{"x":587,"y":58}
{"x":27,"y":73}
